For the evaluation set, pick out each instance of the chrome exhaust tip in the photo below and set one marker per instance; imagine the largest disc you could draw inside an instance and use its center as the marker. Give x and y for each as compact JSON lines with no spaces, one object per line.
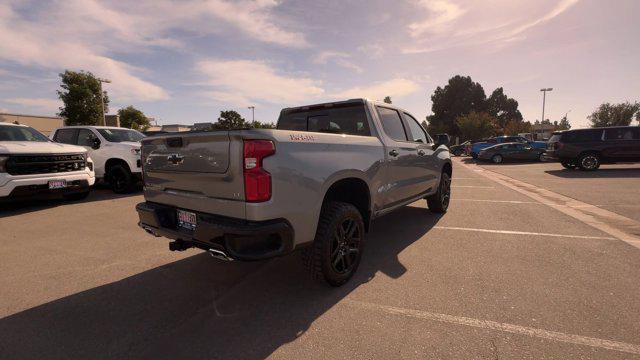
{"x":219,"y":254}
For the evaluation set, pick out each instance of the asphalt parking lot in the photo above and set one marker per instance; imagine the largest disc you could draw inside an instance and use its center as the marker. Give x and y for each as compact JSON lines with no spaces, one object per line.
{"x":529,"y":262}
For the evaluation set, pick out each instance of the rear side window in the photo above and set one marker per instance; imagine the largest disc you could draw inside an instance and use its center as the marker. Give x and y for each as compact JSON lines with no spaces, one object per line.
{"x":582,"y":136}
{"x":66,"y":136}
{"x":622,"y":134}
{"x":86,"y":137}
{"x":391,"y":123}
{"x":349,"y":119}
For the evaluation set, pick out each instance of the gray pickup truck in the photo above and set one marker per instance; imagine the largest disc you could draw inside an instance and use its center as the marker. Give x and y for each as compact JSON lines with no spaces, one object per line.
{"x":315,"y":183}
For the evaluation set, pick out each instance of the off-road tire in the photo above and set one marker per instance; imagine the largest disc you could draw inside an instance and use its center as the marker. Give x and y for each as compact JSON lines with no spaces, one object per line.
{"x":439,"y":202}
{"x":318,"y":258}
{"x":120,"y":179}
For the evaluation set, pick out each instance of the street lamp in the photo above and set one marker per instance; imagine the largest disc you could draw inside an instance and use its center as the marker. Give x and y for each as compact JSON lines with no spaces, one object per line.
{"x":544,"y":96}
{"x":253,"y":113}
{"x":106,"y":81}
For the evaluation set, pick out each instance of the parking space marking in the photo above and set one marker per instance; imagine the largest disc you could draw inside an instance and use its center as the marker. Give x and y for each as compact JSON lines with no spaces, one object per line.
{"x":504,"y":327}
{"x":473,"y":186}
{"x":522,"y":233}
{"x":500,"y":201}
{"x":586,"y":213}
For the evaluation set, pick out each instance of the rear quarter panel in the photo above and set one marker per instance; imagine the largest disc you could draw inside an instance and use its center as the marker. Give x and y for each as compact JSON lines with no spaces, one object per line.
{"x":303,"y":168}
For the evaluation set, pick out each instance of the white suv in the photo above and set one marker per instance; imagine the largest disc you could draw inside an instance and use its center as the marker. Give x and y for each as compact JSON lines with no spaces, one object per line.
{"x":115,"y":152}
{"x":32,"y":166}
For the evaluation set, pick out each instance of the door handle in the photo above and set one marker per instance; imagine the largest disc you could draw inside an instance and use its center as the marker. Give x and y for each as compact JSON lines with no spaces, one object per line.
{"x":421,"y":152}
{"x":394,"y":153}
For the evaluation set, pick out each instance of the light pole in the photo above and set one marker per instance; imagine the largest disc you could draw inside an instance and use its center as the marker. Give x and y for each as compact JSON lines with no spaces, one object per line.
{"x":106,"y":81}
{"x":253,"y":113}
{"x":544,"y":96}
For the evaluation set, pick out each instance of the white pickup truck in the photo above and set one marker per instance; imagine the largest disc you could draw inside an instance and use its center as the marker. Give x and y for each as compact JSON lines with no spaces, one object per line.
{"x":32,"y":166}
{"x":115,"y":152}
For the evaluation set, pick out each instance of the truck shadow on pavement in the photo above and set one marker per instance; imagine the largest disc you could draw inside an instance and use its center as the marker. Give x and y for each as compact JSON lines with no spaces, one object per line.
{"x":600,"y":173}
{"x":98,"y":193}
{"x":201,"y":308}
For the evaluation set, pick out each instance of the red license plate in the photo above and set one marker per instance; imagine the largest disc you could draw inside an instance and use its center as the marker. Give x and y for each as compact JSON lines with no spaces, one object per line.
{"x":187,"y":219}
{"x":57,"y":184}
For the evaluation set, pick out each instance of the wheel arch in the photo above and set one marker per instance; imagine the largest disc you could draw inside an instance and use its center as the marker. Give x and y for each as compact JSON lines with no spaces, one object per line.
{"x":353,"y":190}
{"x":113,"y":162}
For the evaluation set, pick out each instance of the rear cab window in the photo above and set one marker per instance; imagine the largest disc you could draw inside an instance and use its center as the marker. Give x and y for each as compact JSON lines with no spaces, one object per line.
{"x":349,"y":119}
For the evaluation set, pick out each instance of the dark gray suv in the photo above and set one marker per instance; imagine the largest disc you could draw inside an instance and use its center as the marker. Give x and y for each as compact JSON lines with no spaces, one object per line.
{"x":588,"y":148}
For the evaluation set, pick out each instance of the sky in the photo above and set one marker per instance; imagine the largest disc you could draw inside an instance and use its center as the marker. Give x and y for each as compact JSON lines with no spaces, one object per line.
{"x":185,"y":61}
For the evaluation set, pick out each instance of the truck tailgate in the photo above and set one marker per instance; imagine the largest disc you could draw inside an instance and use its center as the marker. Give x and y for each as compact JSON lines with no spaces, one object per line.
{"x":197,"y":171}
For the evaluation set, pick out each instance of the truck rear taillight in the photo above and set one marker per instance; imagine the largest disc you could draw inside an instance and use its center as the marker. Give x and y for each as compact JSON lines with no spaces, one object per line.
{"x":257,"y":181}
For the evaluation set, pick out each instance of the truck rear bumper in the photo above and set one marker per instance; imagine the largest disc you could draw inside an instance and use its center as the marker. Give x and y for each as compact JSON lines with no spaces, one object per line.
{"x":239,"y":239}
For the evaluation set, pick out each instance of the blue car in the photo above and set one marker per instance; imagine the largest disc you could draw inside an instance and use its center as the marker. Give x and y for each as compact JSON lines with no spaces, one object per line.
{"x":475,"y":148}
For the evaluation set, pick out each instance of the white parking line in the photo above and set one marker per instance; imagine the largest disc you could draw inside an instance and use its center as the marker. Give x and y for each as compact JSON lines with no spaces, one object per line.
{"x":472,"y":186}
{"x":597,"y":217}
{"x":500,"y":201}
{"x":509,"y":328}
{"x":522,"y":233}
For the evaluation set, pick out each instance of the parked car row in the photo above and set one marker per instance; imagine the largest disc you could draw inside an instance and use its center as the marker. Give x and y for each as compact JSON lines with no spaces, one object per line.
{"x":585,"y":149}
{"x":67,"y":165}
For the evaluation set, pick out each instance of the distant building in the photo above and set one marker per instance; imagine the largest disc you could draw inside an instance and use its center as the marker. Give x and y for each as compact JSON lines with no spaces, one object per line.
{"x":44,"y":124}
{"x":112,"y":120}
{"x":543,"y":131}
{"x":170,"y":128}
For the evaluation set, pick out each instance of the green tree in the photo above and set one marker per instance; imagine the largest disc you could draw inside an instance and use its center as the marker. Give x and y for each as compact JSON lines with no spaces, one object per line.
{"x":515,"y":127}
{"x":476,"y":126}
{"x":80,"y":96}
{"x":230,"y":119}
{"x":133,"y":118}
{"x":503,"y":108}
{"x":459,"y":97}
{"x":564,"y":124}
{"x":387,"y":99}
{"x":615,"y":114}
{"x":260,"y":125}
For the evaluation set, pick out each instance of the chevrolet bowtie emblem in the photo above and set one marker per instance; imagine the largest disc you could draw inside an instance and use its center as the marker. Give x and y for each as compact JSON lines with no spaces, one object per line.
{"x":175,"y":159}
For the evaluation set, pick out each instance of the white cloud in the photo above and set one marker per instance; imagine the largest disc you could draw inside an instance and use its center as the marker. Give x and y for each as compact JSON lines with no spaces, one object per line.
{"x":86,"y":35}
{"x":242,"y":82}
{"x":339,"y":58}
{"x":49,"y":105}
{"x":480,"y":23}
{"x":396,"y":88}
{"x":47,"y":45}
{"x":442,"y":14}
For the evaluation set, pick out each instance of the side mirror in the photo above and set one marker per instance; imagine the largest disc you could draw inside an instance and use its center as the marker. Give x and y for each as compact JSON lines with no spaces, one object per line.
{"x":442,"y":139}
{"x":96,"y":144}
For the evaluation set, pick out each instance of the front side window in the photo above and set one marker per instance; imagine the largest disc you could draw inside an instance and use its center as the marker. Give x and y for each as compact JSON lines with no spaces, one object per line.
{"x":622,"y":134}
{"x":391,"y":123}
{"x":417,"y":132}
{"x":66,"y":136}
{"x":86,"y":137}
{"x":21,"y":133}
{"x":120,"y":135}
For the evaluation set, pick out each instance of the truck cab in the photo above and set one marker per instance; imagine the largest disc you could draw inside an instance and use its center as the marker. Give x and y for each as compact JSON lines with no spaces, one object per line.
{"x":248,"y":194}
{"x":115,"y":152}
